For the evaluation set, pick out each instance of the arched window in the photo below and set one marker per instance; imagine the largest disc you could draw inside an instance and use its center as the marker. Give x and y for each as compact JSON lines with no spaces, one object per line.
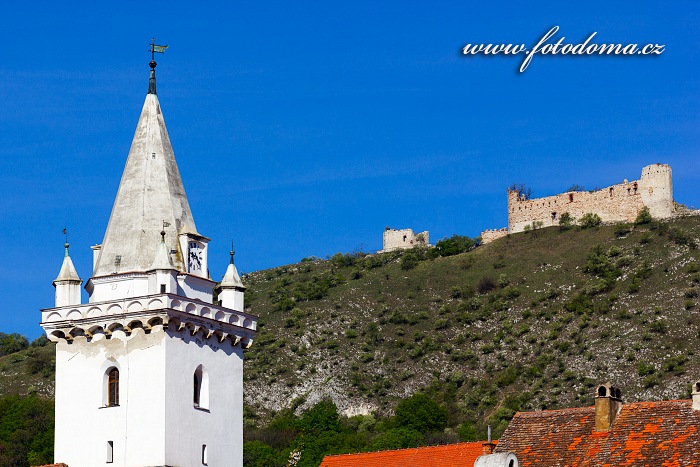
{"x":197,"y":387}
{"x":112,"y":392}
{"x":200,"y":394}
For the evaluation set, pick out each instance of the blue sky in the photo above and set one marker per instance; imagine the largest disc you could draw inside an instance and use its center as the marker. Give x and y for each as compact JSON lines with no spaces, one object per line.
{"x":305,"y":128}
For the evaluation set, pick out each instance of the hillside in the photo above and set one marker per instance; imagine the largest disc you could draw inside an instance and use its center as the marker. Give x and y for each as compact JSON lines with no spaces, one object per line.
{"x":534,"y":320}
{"x":531,"y":321}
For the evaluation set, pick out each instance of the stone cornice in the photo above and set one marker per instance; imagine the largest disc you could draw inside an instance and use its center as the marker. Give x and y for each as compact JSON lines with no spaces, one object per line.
{"x":149,"y":312}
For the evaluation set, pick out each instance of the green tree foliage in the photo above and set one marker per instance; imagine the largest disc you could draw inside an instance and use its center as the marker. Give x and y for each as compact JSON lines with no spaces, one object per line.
{"x":11,"y":343}
{"x":420,"y":413}
{"x":600,"y":264}
{"x":410,"y":260}
{"x":590,"y":220}
{"x":566,"y":220}
{"x":453,"y":245}
{"x":644,"y":216}
{"x":320,"y":431}
{"x":26,"y":431}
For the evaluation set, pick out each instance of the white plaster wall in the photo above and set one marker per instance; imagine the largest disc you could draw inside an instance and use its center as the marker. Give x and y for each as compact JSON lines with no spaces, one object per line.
{"x":221,"y":428}
{"x":232,"y":298}
{"x":118,"y":287}
{"x":195,"y":287}
{"x":67,"y":293}
{"x":84,"y":425}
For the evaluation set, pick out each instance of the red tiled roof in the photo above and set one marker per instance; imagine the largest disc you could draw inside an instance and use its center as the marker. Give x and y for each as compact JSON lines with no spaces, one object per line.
{"x":654,"y":434}
{"x":448,"y":455}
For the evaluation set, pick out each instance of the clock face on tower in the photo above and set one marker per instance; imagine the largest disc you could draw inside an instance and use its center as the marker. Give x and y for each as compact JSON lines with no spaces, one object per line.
{"x":195,"y":257}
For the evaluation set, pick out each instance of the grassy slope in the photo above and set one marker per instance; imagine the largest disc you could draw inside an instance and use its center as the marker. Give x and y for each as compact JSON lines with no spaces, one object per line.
{"x":30,"y":370}
{"x":380,"y":337}
{"x":385,"y":335}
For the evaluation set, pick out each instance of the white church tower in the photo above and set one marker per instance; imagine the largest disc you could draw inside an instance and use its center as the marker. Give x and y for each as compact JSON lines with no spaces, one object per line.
{"x":149,"y":372}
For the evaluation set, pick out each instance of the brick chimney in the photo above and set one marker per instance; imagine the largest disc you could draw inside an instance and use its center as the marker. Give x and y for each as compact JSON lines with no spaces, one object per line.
{"x":696,"y":396}
{"x":488,"y":447}
{"x":608,"y":402}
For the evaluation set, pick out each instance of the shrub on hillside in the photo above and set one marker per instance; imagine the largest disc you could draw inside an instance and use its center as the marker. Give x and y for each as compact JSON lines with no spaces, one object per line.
{"x":622,"y":229}
{"x":454,"y":245}
{"x":566,"y":220}
{"x":486,"y":284}
{"x":409,"y":260}
{"x":644,"y":216}
{"x":590,"y":220}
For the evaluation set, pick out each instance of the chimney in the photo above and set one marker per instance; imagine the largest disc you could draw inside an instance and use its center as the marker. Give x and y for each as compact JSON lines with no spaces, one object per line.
{"x":608,"y":402}
{"x":488,"y":447}
{"x":696,"y":396}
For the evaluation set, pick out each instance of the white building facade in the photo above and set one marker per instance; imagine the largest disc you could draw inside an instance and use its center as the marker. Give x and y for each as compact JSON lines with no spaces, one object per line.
{"x":149,"y":372}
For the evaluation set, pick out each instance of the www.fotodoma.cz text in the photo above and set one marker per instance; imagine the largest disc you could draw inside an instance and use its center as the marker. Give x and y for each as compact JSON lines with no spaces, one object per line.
{"x":547,"y":46}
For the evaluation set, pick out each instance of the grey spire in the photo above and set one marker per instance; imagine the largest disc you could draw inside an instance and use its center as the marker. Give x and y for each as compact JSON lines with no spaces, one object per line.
{"x":68,"y":272}
{"x":162,"y":259}
{"x":231,"y":278}
{"x":151,"y":197}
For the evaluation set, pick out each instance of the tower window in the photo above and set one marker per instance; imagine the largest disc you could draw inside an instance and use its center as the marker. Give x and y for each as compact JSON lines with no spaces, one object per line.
{"x":162,"y":288}
{"x":200,"y":393}
{"x":110,"y":452}
{"x":197,"y":387}
{"x":205,"y":459}
{"x":112,"y":389}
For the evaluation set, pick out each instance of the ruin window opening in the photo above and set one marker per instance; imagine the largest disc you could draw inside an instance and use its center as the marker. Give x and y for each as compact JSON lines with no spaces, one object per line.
{"x":611,"y":192}
{"x":404,"y":238}
{"x":571,"y":197}
{"x":554,"y":216}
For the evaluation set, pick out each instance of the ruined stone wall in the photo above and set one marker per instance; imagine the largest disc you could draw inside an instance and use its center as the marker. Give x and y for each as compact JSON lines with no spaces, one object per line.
{"x":487,"y":236}
{"x":617,"y":203}
{"x":395,"y":239}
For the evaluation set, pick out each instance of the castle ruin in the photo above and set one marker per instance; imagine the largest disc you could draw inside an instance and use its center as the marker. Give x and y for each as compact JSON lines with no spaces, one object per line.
{"x":616,"y":203}
{"x":402,"y":239}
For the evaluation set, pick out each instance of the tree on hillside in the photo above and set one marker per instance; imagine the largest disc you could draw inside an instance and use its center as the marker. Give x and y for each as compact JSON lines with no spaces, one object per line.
{"x":420,"y":413}
{"x":26,"y":431}
{"x":11,"y":343}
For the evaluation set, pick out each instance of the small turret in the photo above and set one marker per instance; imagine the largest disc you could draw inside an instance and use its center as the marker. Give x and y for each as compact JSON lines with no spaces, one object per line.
{"x":67,"y":283}
{"x":232,"y":288}
{"x":162,"y":275}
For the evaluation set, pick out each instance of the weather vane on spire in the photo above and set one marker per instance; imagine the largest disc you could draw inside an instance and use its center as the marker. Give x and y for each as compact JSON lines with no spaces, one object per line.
{"x":232,"y":252}
{"x":156,"y":49}
{"x":152,"y":80}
